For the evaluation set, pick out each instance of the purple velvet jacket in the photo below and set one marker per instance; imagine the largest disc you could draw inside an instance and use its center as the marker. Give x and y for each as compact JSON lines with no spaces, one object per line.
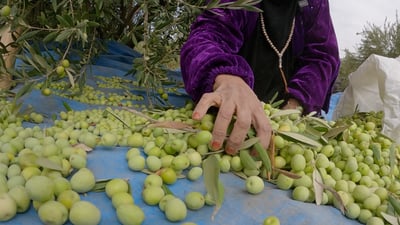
{"x":215,"y":40}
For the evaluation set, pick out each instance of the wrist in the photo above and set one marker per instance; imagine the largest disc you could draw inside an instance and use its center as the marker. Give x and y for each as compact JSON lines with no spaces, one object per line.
{"x":292,"y":102}
{"x":226,"y":79}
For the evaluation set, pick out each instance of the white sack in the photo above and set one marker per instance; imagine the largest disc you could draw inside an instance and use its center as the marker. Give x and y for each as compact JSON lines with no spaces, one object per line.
{"x":374,"y":86}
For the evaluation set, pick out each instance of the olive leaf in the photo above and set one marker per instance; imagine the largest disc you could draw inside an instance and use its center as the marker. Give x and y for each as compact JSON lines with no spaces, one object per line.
{"x":248,"y":143}
{"x":137,"y":113}
{"x":240,"y":174}
{"x":335,"y":131}
{"x":376,"y":152}
{"x":100,"y":185}
{"x":116,"y":117}
{"x":392,"y":220}
{"x":287,"y":173}
{"x":247,"y":160}
{"x":392,"y":157}
{"x":285,"y":112}
{"x":266,"y":161}
{"x":47,"y":163}
{"x":173,"y":125}
{"x":324,"y":140}
{"x":148,"y":172}
{"x":335,"y":195}
{"x":211,"y":172}
{"x":167,"y":191}
{"x":66,"y":106}
{"x":320,"y":122}
{"x":314,"y":134}
{"x":214,"y":152}
{"x":26,"y":88}
{"x":70,"y":78}
{"x":318,"y":188}
{"x":395,"y":203}
{"x":300,"y":138}
{"x":312,"y":131}
{"x":83,"y":147}
{"x":262,"y":153}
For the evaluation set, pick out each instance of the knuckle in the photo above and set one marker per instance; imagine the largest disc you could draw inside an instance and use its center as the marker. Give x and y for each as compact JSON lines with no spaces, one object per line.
{"x":243,"y":123}
{"x":234,"y":142}
{"x":225,"y":114}
{"x":218,"y":134}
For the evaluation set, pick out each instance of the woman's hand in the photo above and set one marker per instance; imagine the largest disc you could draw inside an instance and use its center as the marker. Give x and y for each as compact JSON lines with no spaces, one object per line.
{"x":234,"y":97}
{"x":291,"y":104}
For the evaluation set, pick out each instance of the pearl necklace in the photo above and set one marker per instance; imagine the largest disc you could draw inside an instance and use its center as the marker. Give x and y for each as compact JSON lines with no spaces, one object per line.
{"x":279,"y":53}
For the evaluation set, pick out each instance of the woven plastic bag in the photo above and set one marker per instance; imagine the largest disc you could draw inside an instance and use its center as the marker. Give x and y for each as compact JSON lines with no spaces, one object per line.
{"x":374,"y":86}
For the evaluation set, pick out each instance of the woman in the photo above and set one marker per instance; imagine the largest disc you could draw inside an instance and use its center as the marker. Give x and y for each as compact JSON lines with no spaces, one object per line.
{"x":234,"y":58}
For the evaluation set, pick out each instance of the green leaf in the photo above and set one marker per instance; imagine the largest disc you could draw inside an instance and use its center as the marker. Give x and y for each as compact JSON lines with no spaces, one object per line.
{"x":324,"y":140}
{"x":252,"y":8}
{"x":212,"y":4}
{"x":277,"y":104}
{"x":262,"y":153}
{"x":28,"y":35}
{"x":301,"y":138}
{"x":240,"y":174}
{"x":100,"y":185}
{"x":335,"y":195}
{"x":64,"y":35}
{"x":248,"y":143}
{"x":392,"y":157}
{"x":47,"y":163}
{"x":93,"y":24}
{"x":41,"y":61}
{"x":287,"y":173}
{"x":392,"y":220}
{"x":64,"y":21}
{"x":376,"y":152}
{"x":285,"y":112}
{"x":167,"y":191}
{"x":335,"y":131}
{"x":50,"y":37}
{"x":247,"y":160}
{"x":211,"y":172}
{"x":318,"y":121}
{"x":117,"y":117}
{"x":54,"y":5}
{"x":312,"y":131}
{"x":318,"y":188}
{"x":395,"y":203}
{"x":26,"y":88}
{"x":22,"y":22}
{"x":66,"y":106}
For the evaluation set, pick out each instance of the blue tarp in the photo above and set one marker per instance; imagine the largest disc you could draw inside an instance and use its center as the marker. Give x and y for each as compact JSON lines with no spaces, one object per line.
{"x":239,"y":207}
{"x":332,"y":105}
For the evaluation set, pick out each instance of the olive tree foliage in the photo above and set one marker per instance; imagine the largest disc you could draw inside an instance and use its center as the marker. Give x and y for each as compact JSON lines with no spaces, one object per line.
{"x":46,"y":32}
{"x":384,"y":41}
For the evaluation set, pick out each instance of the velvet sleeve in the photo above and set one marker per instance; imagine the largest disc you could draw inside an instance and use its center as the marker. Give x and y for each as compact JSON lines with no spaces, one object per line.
{"x":212,"y":48}
{"x":319,"y":61}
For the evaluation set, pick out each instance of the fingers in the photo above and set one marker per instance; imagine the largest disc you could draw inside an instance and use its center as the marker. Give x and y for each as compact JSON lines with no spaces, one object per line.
{"x":246,"y":115}
{"x":206,"y":101}
{"x":238,"y":134}
{"x":222,"y":121}
{"x":264,"y":130}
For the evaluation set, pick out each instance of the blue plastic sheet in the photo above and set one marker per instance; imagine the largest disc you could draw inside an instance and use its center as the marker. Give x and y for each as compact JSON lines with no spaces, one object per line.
{"x":238,"y":208}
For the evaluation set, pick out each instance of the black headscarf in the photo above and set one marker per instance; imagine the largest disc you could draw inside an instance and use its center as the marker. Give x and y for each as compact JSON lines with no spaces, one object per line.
{"x":278,"y":18}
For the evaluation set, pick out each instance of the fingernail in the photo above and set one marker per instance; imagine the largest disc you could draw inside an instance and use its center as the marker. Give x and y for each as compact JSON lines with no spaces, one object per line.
{"x":215,"y":145}
{"x":196,"y":116}
{"x":230,"y":150}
